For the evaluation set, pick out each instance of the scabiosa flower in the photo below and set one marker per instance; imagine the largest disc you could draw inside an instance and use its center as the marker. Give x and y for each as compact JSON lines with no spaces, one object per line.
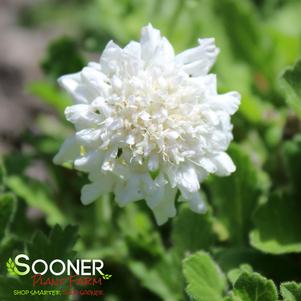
{"x":149,"y":123}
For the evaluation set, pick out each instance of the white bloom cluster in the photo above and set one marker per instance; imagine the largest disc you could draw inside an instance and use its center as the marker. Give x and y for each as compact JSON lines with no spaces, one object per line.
{"x":149,"y":123}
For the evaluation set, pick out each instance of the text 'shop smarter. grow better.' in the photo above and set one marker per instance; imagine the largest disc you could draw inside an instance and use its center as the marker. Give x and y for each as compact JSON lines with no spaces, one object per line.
{"x":148,"y":123}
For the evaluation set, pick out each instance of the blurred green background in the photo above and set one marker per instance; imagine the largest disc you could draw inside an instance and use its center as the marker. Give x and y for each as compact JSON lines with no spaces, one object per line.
{"x":254,"y":215}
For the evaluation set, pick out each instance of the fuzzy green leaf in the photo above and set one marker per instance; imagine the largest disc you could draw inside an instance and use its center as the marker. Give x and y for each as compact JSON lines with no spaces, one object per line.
{"x":278,"y":225}
{"x":291,"y":291}
{"x":234,"y":274}
{"x":205,"y":280}
{"x":253,"y":286}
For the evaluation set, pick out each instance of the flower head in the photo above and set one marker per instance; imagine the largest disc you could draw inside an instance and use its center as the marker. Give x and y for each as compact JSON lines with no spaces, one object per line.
{"x":149,"y":123}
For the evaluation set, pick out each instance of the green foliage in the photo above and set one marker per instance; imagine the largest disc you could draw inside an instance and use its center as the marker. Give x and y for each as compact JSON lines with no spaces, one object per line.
{"x":192,"y":232}
{"x":206,"y":282}
{"x":291,"y":78}
{"x":36,"y":195}
{"x":234,"y":274}
{"x":62,"y":57}
{"x":59,"y":244}
{"x":244,"y":31}
{"x":291,"y":291}
{"x":7,"y":207}
{"x":163,"y":274}
{"x":253,"y":286}
{"x":235,"y":197}
{"x":292,"y":158}
{"x":204,"y":278}
{"x":278,"y":225}
{"x":253,"y":220}
{"x":50,"y":95}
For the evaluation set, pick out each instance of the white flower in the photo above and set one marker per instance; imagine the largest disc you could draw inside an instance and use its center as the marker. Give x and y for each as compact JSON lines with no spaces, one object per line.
{"x":148,"y":123}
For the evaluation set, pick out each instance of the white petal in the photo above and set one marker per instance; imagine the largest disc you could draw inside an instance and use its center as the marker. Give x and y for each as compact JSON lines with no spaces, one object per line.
{"x":207,"y":84}
{"x":91,"y":192}
{"x":165,"y":50}
{"x":163,"y":55}
{"x":228,"y":102}
{"x":150,"y":39}
{"x":132,"y":53}
{"x":96,"y":82}
{"x":133,"y":49}
{"x":88,"y":137}
{"x":224,"y":164}
{"x":166,"y":207}
{"x":195,"y":201}
{"x":90,"y":161}
{"x":72,"y":83}
{"x":100,"y":104}
{"x":94,"y":65}
{"x":108,"y":161}
{"x":68,"y":151}
{"x":208,"y":165}
{"x":81,"y":115}
{"x":155,"y":191}
{"x":185,"y":177}
{"x":128,"y":190}
{"x":110,"y":57}
{"x":69,"y":82}
{"x":198,"y":61}
{"x":153,"y":162}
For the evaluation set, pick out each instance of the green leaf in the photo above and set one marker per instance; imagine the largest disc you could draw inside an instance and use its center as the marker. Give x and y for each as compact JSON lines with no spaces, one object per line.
{"x":291,"y":291}
{"x":62,"y":57}
{"x":7,"y":208}
{"x":291,"y":80}
{"x":162,"y":278}
{"x":192,"y":232}
{"x":36,"y":195}
{"x":279,"y":268}
{"x":59,"y":244}
{"x":278,"y":225}
{"x":205,"y":281}
{"x":245,"y":32}
{"x":253,"y":286}
{"x":235,"y":197}
{"x":50,"y":95}
{"x":292,"y":159}
{"x":139,"y":231}
{"x":234,"y":274}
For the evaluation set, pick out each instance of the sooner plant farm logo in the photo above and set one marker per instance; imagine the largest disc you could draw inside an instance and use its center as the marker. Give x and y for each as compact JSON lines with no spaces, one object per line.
{"x":59,"y":274}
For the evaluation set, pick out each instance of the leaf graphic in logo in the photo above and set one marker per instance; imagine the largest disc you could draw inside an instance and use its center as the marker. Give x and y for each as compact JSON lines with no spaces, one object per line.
{"x":11,"y":268}
{"x":106,"y":276}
